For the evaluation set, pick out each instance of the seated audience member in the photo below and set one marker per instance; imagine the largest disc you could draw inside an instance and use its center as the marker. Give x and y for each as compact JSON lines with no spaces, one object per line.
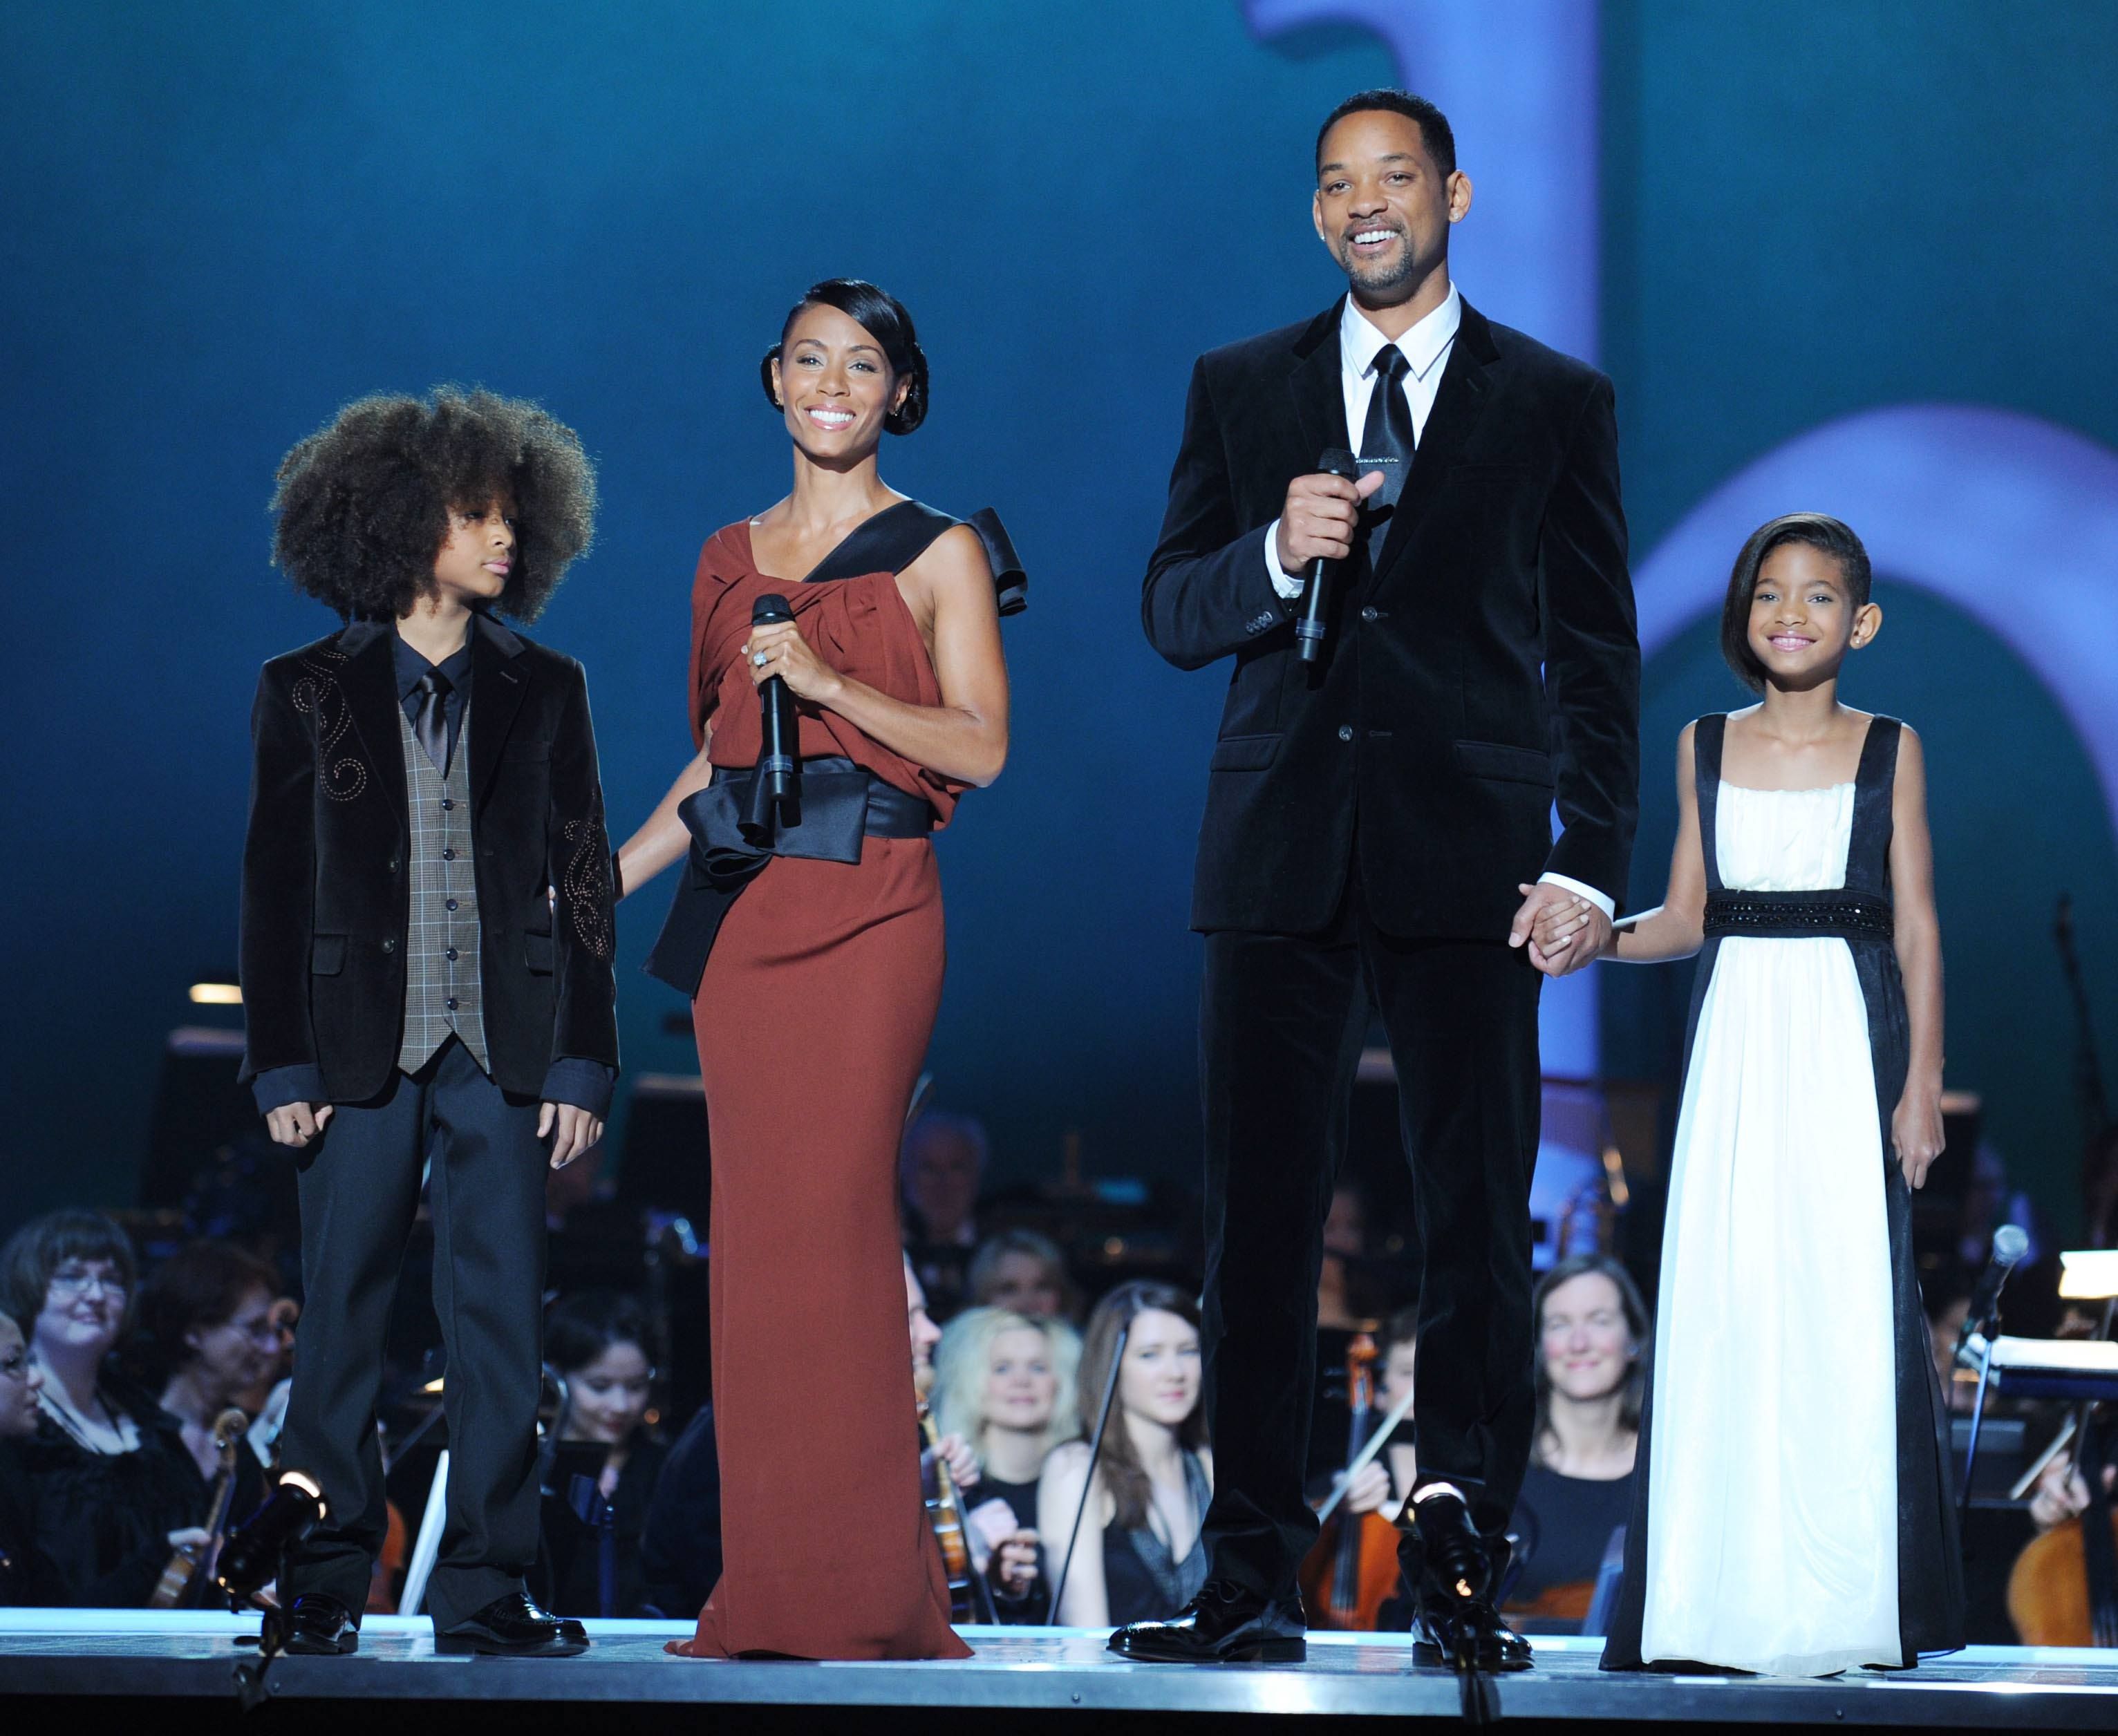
{"x":1024,"y":1272}
{"x":1004,"y":1386}
{"x":943,"y":1162}
{"x":681,"y":1551}
{"x":1339,"y":1304}
{"x":597,"y":1343}
{"x":1591,"y":1371}
{"x":210,"y":1318}
{"x":27,"y":1576}
{"x":114,"y":1491}
{"x":1140,"y":1556}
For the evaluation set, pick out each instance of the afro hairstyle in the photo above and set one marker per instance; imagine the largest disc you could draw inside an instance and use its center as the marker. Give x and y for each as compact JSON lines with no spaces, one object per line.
{"x":363,"y":503}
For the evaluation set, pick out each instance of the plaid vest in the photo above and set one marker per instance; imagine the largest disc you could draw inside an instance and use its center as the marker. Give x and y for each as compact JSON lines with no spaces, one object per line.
{"x":443,"y":994}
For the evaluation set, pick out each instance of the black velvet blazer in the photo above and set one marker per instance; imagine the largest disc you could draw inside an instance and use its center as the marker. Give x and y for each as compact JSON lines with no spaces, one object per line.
{"x":326,"y":887}
{"x":1484,"y":666}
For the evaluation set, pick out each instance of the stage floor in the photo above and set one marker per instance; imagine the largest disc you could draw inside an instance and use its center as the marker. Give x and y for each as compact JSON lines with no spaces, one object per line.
{"x":1032,"y":1676}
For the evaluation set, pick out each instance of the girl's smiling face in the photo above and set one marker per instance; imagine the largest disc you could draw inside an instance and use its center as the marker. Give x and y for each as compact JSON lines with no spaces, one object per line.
{"x":1802,"y":622}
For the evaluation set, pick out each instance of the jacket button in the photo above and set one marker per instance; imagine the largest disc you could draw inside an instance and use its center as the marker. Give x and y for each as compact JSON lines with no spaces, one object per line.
{"x":448,"y":856}
{"x":390,"y":946}
{"x":452,"y":1003}
{"x":448,"y":801}
{"x":1345,"y":731}
{"x":1369,"y":611}
{"x":450,"y":955}
{"x":393,"y":865}
{"x":452,"y":903}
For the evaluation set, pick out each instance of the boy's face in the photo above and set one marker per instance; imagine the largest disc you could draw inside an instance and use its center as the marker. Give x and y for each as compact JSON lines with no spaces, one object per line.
{"x":478,"y":554}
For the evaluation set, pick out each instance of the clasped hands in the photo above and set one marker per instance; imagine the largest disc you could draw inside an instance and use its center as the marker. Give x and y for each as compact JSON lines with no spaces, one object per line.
{"x":1562,"y":929}
{"x":571,"y":1129}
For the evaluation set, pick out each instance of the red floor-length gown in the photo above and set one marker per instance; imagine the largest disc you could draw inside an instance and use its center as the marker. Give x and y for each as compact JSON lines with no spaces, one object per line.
{"x":812,"y":1021}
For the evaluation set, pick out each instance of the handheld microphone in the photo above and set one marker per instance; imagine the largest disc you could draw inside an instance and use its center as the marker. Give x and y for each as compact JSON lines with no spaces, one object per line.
{"x":1310,"y":623}
{"x":779,"y":760}
{"x":2010,"y":1243}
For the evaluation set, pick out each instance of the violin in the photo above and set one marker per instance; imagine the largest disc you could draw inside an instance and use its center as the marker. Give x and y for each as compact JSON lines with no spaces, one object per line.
{"x":1352,"y":1569}
{"x":970,"y":1599}
{"x":182,"y":1581}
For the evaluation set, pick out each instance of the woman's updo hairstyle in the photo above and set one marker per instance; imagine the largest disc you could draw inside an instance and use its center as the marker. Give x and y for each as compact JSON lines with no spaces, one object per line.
{"x":885,"y":319}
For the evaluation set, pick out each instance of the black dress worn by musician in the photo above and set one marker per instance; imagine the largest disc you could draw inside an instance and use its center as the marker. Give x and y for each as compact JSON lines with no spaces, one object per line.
{"x":1365,"y":830}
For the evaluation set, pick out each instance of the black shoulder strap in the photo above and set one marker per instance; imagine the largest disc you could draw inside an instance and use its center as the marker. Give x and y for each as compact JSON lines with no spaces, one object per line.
{"x":898,"y":535}
{"x":1875,"y":796}
{"x":1707,"y":736}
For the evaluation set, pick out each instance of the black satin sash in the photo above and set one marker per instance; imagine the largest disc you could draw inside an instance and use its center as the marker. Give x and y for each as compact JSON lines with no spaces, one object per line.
{"x":734,"y":833}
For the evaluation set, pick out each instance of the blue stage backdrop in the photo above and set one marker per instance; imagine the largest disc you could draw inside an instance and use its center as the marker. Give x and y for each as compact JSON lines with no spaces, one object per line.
{"x":225,"y":220}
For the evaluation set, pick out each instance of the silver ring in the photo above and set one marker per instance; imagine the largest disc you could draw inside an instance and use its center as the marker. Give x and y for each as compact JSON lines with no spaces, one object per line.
{"x":759,"y":659}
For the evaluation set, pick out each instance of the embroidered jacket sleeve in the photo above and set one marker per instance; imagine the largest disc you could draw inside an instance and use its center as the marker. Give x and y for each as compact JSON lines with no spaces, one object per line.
{"x":584,"y":926}
{"x":279,"y":864}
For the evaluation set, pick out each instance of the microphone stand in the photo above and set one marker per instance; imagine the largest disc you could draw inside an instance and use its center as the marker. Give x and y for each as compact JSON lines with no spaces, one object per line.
{"x":1095,"y":1453}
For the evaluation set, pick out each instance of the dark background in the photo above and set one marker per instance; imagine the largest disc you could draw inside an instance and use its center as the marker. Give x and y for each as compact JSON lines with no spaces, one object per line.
{"x":224,"y":220}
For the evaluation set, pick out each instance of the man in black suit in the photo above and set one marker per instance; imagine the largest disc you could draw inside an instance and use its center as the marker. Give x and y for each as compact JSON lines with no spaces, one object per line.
{"x":1377,"y":839}
{"x":425,"y":959}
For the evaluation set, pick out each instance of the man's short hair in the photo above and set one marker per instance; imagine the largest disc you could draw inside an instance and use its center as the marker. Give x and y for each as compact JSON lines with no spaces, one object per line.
{"x":1433,"y":124}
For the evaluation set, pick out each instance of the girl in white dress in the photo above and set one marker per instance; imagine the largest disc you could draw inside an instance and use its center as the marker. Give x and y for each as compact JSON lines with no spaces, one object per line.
{"x":1795,"y":1518}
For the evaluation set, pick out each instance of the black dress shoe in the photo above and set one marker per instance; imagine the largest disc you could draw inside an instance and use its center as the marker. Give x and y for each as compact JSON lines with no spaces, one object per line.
{"x":1224,"y":1624}
{"x":1452,"y":1570}
{"x":514,"y":1627}
{"x":320,"y":1627}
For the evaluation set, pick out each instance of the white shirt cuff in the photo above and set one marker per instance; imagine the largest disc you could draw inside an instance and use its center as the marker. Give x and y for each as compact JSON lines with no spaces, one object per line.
{"x":1607,"y":906}
{"x":1289,"y":588}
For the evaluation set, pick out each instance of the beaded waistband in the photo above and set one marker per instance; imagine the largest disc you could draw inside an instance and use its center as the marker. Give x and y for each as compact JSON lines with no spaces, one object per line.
{"x":1799,"y":915}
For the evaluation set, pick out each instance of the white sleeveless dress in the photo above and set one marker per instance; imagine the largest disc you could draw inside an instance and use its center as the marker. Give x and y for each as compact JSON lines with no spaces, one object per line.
{"x":1773,"y":1545}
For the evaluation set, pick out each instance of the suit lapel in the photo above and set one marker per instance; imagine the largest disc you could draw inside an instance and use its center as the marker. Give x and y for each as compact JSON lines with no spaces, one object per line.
{"x":498,"y":683}
{"x":369,"y":680}
{"x":1320,"y":398}
{"x":1466,"y":384}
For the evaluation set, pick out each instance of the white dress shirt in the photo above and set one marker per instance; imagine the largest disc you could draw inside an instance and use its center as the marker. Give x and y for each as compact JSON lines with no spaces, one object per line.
{"x":1426,"y":347}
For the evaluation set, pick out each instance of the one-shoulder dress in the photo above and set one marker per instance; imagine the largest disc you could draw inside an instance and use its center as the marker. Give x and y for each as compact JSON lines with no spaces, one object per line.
{"x":813,"y":1012}
{"x":1792,"y":1514}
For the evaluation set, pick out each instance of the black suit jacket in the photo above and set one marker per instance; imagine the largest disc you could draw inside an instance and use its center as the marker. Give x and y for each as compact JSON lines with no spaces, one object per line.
{"x":1485,"y":665}
{"x":326,"y":887}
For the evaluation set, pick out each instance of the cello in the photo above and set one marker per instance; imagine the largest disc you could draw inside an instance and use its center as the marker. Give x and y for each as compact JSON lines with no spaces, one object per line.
{"x":1352,"y":1569}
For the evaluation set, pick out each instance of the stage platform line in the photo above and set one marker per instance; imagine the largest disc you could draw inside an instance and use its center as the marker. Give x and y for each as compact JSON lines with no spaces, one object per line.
{"x":129,"y":1655}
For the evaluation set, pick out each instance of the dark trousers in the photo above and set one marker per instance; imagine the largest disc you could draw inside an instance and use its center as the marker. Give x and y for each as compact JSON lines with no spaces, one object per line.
{"x":1281,"y":1029}
{"x":360,"y":1193}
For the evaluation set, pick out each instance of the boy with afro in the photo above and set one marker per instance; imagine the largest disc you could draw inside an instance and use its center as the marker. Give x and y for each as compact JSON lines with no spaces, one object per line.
{"x":425,"y":959}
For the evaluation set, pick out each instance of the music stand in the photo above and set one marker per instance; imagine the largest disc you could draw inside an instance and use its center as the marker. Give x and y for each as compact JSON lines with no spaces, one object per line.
{"x":2070,"y":1369}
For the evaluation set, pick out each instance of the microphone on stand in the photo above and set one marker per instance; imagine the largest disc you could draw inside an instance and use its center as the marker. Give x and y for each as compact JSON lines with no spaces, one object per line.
{"x":1311,"y":624}
{"x":2010,"y":1243}
{"x":779,"y":760}
{"x":1095,"y":1453}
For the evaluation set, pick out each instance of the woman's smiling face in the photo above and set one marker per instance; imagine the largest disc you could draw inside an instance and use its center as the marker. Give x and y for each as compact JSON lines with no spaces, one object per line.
{"x":835,"y":385}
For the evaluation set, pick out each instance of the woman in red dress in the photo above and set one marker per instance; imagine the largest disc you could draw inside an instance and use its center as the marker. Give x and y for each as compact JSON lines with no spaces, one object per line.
{"x":813,"y":951}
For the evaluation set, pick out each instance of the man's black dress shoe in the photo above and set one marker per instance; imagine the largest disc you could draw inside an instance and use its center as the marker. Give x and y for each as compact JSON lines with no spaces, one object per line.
{"x":514,"y":1627}
{"x":1453,"y":1570}
{"x":1224,"y":1624}
{"x":320,"y":1627}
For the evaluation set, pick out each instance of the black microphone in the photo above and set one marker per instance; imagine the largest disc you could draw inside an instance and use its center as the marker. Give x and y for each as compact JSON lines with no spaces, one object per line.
{"x":2010,"y":1243}
{"x":1309,"y":625}
{"x":779,"y":761}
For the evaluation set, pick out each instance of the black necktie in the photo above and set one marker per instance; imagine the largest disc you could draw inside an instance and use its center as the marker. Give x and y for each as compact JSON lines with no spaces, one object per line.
{"x":1387,"y":443}
{"x":432,"y":725}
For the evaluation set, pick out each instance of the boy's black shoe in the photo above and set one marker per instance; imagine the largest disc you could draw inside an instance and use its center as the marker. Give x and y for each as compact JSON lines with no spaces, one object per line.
{"x":514,"y":1627}
{"x":320,"y":1627}
{"x":1224,"y":1624}
{"x":1452,"y":1570}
